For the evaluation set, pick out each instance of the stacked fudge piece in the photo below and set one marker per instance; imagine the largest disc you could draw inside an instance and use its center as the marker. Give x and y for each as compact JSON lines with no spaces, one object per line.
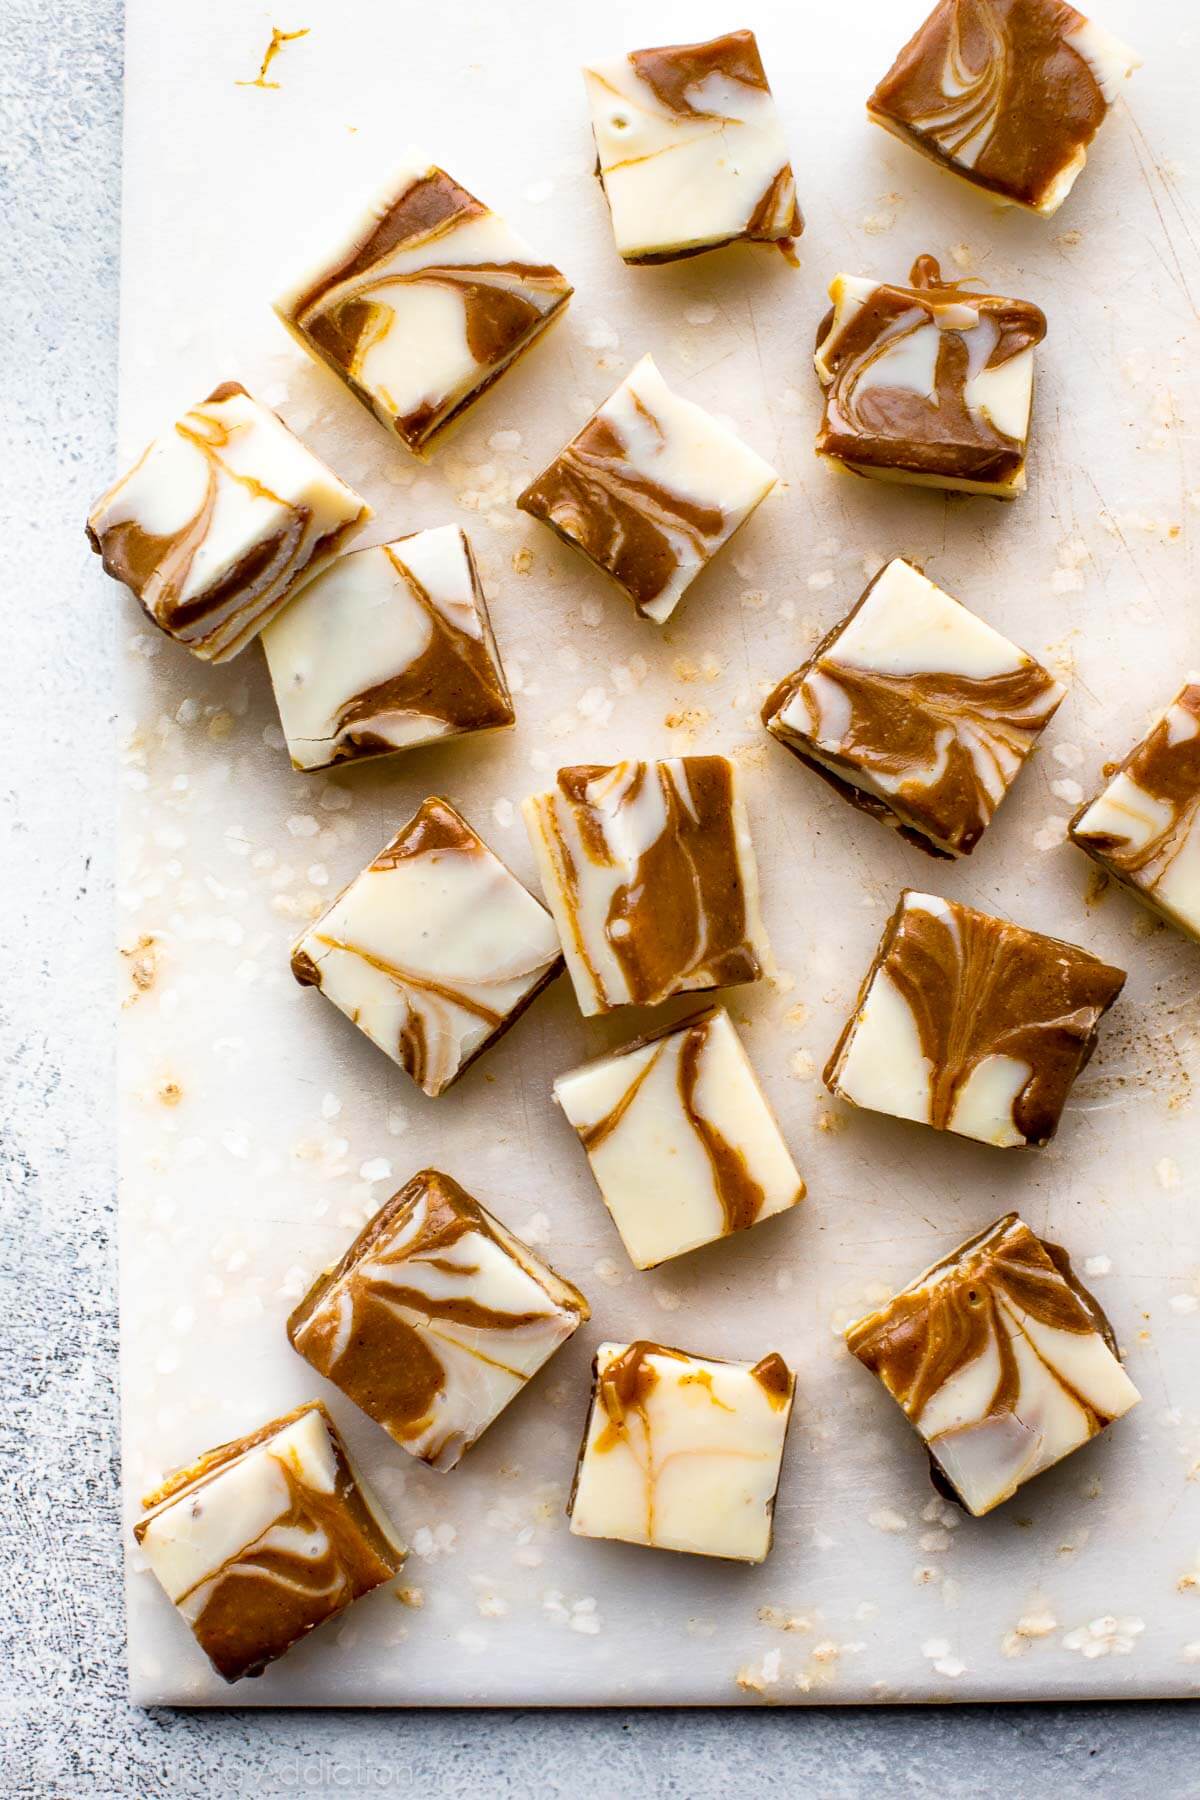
{"x":912,"y":708}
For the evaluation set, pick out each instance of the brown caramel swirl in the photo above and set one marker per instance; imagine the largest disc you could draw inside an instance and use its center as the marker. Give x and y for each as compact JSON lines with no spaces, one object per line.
{"x":413,"y":1300}
{"x":455,"y":678}
{"x":739,"y":1194}
{"x":594,"y":496}
{"x":674,"y":74}
{"x":352,"y":307}
{"x":673,"y":71}
{"x":930,"y":752}
{"x":399,"y":958}
{"x":978,"y":987}
{"x":216,"y":618}
{"x":997,"y":90}
{"x":949,"y":1319}
{"x":1165,"y":769}
{"x":669,"y":867}
{"x":870,"y":423}
{"x":321,"y":1552}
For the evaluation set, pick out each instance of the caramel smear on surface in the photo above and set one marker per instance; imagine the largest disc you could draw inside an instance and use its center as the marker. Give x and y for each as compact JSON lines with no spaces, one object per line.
{"x":278,"y":40}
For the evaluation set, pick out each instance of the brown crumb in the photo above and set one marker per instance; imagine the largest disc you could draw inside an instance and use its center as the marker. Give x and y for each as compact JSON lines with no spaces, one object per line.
{"x":143,"y":967}
{"x":1098,"y":884}
{"x":170,"y":1093}
{"x":278,"y":40}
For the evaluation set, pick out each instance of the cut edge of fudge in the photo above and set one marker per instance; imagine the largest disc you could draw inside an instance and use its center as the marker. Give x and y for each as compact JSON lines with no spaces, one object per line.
{"x":760,"y":226}
{"x":717,"y":1153}
{"x":350,"y":744}
{"x":379,"y":203}
{"x":772,"y":1373}
{"x":832,"y":1072}
{"x":839,"y":771}
{"x":434,"y":1185}
{"x":231,"y":640}
{"x":879,"y":1328}
{"x":381,"y":1545}
{"x":1051,"y":196}
{"x":1098,"y":847}
{"x":306,"y":971}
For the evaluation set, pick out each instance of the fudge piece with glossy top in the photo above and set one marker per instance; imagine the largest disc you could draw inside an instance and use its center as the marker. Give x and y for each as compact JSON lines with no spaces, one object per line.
{"x":929,"y":384}
{"x":971,"y":1024}
{"x":219,"y":522}
{"x":1002,"y":1361}
{"x":435,"y":1318}
{"x":420,"y":300}
{"x":649,"y":490}
{"x":434,"y":950}
{"x":1144,"y":827}
{"x":264,"y":1538}
{"x":916,"y":711}
{"x":690,"y":150}
{"x":649,"y":871}
{"x":680,"y":1138}
{"x":682,"y":1452}
{"x":389,"y":647}
{"x":1006,"y":93}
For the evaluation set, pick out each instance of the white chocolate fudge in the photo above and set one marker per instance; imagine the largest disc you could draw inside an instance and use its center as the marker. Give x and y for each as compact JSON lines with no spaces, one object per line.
{"x":649,"y":871}
{"x":1007,"y":94}
{"x":916,"y":711}
{"x":421,"y":300}
{"x":971,"y":1024}
{"x":434,"y":950}
{"x":264,"y":1538}
{"x":649,"y":490}
{"x":681,"y":1140}
{"x":1144,"y":827}
{"x":219,"y":522}
{"x":690,"y":149}
{"x":389,"y":647}
{"x":1002,"y":1361}
{"x":435,"y":1318}
{"x":682,"y":1452}
{"x":929,"y":384}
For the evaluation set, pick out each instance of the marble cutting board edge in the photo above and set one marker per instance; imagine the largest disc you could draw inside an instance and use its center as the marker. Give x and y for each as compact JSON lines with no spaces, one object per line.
{"x":258,"y":1130}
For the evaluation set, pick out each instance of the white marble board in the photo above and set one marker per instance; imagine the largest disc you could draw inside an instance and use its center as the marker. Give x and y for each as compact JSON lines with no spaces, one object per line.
{"x":258,"y":1129}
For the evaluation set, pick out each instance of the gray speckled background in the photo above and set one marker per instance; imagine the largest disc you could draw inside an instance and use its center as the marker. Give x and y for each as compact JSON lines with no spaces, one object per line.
{"x":67,"y":1727}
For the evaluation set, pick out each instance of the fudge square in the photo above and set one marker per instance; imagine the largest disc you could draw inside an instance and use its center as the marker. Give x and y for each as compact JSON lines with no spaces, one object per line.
{"x":690,"y":151}
{"x":1144,"y":828}
{"x":971,"y":1024}
{"x":682,"y":1452}
{"x":435,"y":1318}
{"x":930,"y":384}
{"x":220,"y":520}
{"x":434,"y":950}
{"x":420,"y":300}
{"x":262,"y":1539}
{"x":680,"y":1138}
{"x":1006,"y":93}
{"x":649,"y":490}
{"x":915,"y":711}
{"x":649,"y":871}
{"x":1000,"y":1358}
{"x":388,"y":647}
